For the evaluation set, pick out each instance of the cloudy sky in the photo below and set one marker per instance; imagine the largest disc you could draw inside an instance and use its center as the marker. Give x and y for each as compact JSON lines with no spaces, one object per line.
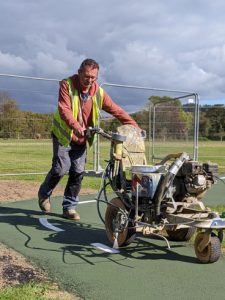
{"x":176,"y":44}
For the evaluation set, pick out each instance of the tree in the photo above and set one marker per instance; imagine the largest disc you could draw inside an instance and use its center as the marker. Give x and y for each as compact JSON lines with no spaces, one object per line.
{"x":15,"y":123}
{"x":216,"y":116}
{"x":204,"y":125}
{"x":9,"y":116}
{"x":170,"y":118}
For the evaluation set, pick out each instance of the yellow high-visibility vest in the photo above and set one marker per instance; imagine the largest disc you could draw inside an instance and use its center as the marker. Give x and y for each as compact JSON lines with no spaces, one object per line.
{"x":59,"y":127}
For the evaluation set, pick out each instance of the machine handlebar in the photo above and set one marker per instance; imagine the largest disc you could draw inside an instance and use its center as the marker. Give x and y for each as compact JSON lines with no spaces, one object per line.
{"x":90,"y":131}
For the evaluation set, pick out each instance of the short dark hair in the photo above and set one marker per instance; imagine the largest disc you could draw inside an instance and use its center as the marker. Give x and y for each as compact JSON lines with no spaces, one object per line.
{"x":89,"y":62}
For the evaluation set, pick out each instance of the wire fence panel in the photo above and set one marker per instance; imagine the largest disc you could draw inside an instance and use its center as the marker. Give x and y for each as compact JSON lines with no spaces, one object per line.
{"x":169,"y":117}
{"x":174,"y":128}
{"x":27,"y":105}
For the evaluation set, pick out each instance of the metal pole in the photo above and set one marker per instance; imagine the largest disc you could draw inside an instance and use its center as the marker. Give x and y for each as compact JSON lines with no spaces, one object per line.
{"x":196,"y":127}
{"x":29,"y":77}
{"x":145,"y":88}
{"x":150,"y":130}
{"x":153,"y":134}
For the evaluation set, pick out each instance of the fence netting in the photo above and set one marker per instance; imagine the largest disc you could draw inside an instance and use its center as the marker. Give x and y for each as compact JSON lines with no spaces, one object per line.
{"x":27,"y":105}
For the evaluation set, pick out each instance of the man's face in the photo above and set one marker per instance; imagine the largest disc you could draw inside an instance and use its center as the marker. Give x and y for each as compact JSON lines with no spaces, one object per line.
{"x":87,"y":76}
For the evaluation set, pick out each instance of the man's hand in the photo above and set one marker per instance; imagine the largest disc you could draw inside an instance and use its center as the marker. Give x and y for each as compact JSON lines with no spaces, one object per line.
{"x":79,"y":131}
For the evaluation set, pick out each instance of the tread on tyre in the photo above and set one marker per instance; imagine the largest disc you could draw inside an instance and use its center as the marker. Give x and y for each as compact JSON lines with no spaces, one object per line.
{"x":211,"y":253}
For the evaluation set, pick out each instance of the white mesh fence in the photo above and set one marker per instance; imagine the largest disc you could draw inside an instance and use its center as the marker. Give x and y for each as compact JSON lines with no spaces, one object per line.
{"x":25,"y":122}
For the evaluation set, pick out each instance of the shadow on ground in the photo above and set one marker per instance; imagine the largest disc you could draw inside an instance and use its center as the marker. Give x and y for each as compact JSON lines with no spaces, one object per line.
{"x":76,"y":239}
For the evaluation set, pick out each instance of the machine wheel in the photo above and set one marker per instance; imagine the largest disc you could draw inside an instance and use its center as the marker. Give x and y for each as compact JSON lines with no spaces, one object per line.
{"x":182,"y":234}
{"x":211,"y":252}
{"x":113,"y":220}
{"x":220,"y":235}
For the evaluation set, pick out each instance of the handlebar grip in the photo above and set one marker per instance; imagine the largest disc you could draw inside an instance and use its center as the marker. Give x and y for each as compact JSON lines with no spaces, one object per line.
{"x":143,"y":134}
{"x":90,"y":131}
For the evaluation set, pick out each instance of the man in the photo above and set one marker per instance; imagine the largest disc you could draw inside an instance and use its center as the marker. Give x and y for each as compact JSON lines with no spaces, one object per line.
{"x":80,"y":99}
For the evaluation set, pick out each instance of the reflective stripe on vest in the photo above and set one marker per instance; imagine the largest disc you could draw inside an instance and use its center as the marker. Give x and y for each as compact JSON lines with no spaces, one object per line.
{"x":61,"y":130}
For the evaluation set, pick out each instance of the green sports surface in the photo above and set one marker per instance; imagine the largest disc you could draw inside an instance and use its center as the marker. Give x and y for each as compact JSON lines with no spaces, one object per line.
{"x":145,"y":269}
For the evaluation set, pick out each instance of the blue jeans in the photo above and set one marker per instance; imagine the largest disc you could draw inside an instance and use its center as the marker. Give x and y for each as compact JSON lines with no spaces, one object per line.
{"x":69,"y":160}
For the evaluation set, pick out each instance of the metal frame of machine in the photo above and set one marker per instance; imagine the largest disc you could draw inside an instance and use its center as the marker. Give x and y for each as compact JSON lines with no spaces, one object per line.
{"x":164,"y":199}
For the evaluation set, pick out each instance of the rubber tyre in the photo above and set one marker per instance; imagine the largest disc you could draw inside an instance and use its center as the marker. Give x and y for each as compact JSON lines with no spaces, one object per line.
{"x":212,"y":251}
{"x":127,"y":235}
{"x":181,"y":235}
{"x":220,"y":236}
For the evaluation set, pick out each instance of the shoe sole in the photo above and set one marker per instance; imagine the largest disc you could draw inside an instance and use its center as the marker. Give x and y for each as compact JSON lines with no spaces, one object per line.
{"x":68,"y":218}
{"x":41,"y":205}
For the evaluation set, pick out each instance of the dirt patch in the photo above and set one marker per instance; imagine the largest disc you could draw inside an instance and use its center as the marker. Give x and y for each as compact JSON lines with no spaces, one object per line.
{"x":14,"y":268}
{"x":14,"y":190}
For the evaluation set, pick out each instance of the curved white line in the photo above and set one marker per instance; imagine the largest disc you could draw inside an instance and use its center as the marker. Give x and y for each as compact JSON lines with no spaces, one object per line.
{"x":46,"y":224}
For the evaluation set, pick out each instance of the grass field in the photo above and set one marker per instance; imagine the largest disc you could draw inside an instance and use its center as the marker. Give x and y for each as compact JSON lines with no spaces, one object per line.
{"x":34,"y":156}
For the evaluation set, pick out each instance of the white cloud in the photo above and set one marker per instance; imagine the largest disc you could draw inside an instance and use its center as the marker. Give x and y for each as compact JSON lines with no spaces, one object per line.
{"x":175,"y":44}
{"x":13,"y":64}
{"x":210,"y":59}
{"x":51,"y":57}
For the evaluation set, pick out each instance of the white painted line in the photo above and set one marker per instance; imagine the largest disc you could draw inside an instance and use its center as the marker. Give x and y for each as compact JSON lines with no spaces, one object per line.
{"x":46,"y":224}
{"x":88,"y":201}
{"x":105,"y":248}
